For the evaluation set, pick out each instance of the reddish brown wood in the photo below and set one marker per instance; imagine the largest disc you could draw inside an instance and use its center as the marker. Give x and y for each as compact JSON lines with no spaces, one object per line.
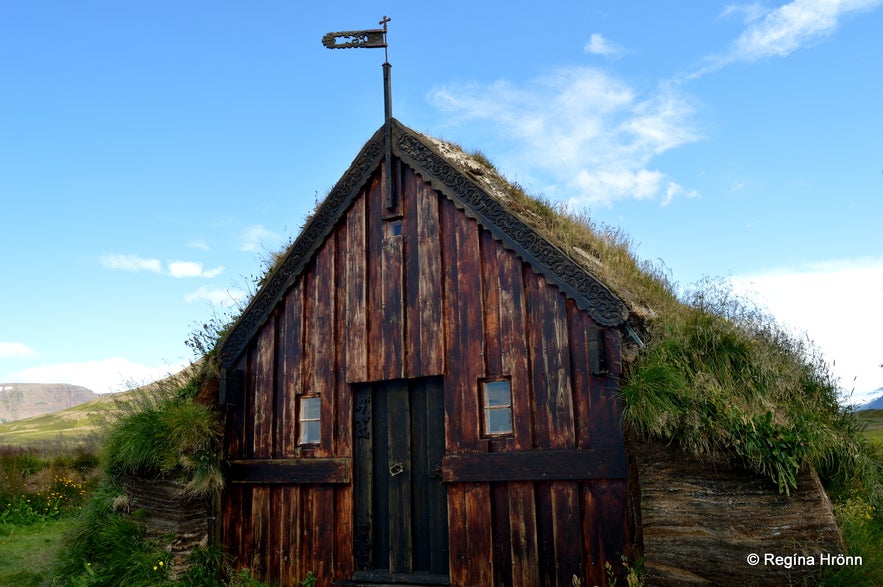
{"x":523,"y":528}
{"x":260,"y":524}
{"x":290,"y":471}
{"x":552,"y":395}
{"x":391,"y":302}
{"x":374,"y":276}
{"x":341,"y":416}
{"x":458,"y":532}
{"x":291,"y":360}
{"x":343,"y":531}
{"x":567,"y":532}
{"x":479,"y":534}
{"x":490,"y":300}
{"x":598,"y":462}
{"x":463,"y":328}
{"x":502,"y":534}
{"x":356,"y":292}
{"x":428,"y":313}
{"x":263,"y":401}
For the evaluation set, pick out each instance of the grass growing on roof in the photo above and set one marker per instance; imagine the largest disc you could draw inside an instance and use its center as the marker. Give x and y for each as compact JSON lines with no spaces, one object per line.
{"x":167,"y":434}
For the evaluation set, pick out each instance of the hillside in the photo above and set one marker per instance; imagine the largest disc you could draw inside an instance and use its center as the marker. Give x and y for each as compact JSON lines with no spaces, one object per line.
{"x":26,"y":400}
{"x":81,"y":423}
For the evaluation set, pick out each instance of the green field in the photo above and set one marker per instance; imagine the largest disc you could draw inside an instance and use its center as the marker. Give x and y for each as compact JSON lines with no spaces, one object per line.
{"x":29,"y":552}
{"x":873,"y":419}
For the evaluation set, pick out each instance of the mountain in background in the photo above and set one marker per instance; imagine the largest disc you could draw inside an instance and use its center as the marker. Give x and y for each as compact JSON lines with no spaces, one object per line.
{"x":26,"y":400}
{"x":874,"y":404}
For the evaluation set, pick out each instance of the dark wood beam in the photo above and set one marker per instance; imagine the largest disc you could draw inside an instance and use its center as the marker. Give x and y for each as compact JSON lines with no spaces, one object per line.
{"x":605,"y":462}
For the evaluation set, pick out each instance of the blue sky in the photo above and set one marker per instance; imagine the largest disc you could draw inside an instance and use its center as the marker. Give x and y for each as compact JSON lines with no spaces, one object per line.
{"x":153,"y":153}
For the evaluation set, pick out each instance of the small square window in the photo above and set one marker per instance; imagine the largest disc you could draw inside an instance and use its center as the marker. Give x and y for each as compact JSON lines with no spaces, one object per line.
{"x":497,"y":403}
{"x":310,"y":412}
{"x":393,"y":228}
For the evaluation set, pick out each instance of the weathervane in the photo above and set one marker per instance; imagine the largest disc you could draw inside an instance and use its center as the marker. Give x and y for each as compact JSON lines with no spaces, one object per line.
{"x":372,"y":39}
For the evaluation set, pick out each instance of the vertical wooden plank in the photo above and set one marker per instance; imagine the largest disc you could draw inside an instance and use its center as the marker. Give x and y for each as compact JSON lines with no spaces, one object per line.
{"x":523,"y":526}
{"x":513,"y":346}
{"x":613,"y":519}
{"x":291,"y":357}
{"x":490,"y":301}
{"x":578,"y":326}
{"x":233,"y":520}
{"x":420,"y":477}
{"x":591,"y":535}
{"x":285,"y":518}
{"x":480,"y":534}
{"x":356,"y":325}
{"x":436,"y":491}
{"x":322,"y":530}
{"x":413,"y":351}
{"x":392,"y":278}
{"x":363,"y":487}
{"x":235,"y":417}
{"x":502,"y":535}
{"x":459,"y":534}
{"x":260,"y":529}
{"x":374,"y":274}
{"x":429,"y":523}
{"x":399,"y":472}
{"x":341,"y":444}
{"x":248,"y":403}
{"x":273,"y":556}
{"x":321,"y":337}
{"x":306,"y":539}
{"x":545,"y":534}
{"x":380,"y":479}
{"x":264,"y":378}
{"x":429,"y":287}
{"x":343,"y":532}
{"x":463,"y":328}
{"x":567,"y":531}
{"x":551,"y":365}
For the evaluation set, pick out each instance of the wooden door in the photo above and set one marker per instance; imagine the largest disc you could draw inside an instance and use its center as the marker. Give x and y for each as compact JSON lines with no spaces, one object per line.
{"x":401,"y":530}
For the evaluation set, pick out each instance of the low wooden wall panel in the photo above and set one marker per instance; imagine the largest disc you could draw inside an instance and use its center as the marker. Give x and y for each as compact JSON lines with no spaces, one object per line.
{"x":701,"y":520}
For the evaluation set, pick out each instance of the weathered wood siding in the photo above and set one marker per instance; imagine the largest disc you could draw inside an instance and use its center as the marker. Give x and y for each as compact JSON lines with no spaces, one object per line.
{"x":701,"y":519}
{"x":441,"y":299}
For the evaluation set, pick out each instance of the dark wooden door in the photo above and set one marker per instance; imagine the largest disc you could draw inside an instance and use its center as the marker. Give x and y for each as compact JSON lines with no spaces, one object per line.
{"x":401,"y":527}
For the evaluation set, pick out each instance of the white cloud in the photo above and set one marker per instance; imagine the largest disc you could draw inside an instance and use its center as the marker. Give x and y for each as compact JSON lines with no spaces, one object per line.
{"x":591,"y":136}
{"x":838,"y":306}
{"x":16,"y":350}
{"x":781,"y":31}
{"x":201,"y":245}
{"x":174,"y":268}
{"x":130,"y":263}
{"x":675,"y":190}
{"x":102,"y":376}
{"x":253,"y":239}
{"x":598,"y":45}
{"x":192,"y":269}
{"x":750,"y":12}
{"x":217,"y":296}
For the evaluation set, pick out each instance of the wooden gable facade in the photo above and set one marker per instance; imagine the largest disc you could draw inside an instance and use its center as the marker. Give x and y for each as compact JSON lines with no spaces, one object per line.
{"x":424,"y":392}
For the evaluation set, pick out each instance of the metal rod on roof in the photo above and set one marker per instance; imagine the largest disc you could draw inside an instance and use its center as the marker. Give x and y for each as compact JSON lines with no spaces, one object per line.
{"x":373,"y":39}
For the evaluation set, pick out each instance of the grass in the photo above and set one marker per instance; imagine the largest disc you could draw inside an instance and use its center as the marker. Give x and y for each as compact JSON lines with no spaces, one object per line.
{"x":29,"y":552}
{"x":873,"y":422}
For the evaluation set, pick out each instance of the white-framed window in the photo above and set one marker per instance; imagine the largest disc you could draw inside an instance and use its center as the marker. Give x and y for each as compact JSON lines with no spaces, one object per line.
{"x":309,"y":420}
{"x":496,"y":399}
